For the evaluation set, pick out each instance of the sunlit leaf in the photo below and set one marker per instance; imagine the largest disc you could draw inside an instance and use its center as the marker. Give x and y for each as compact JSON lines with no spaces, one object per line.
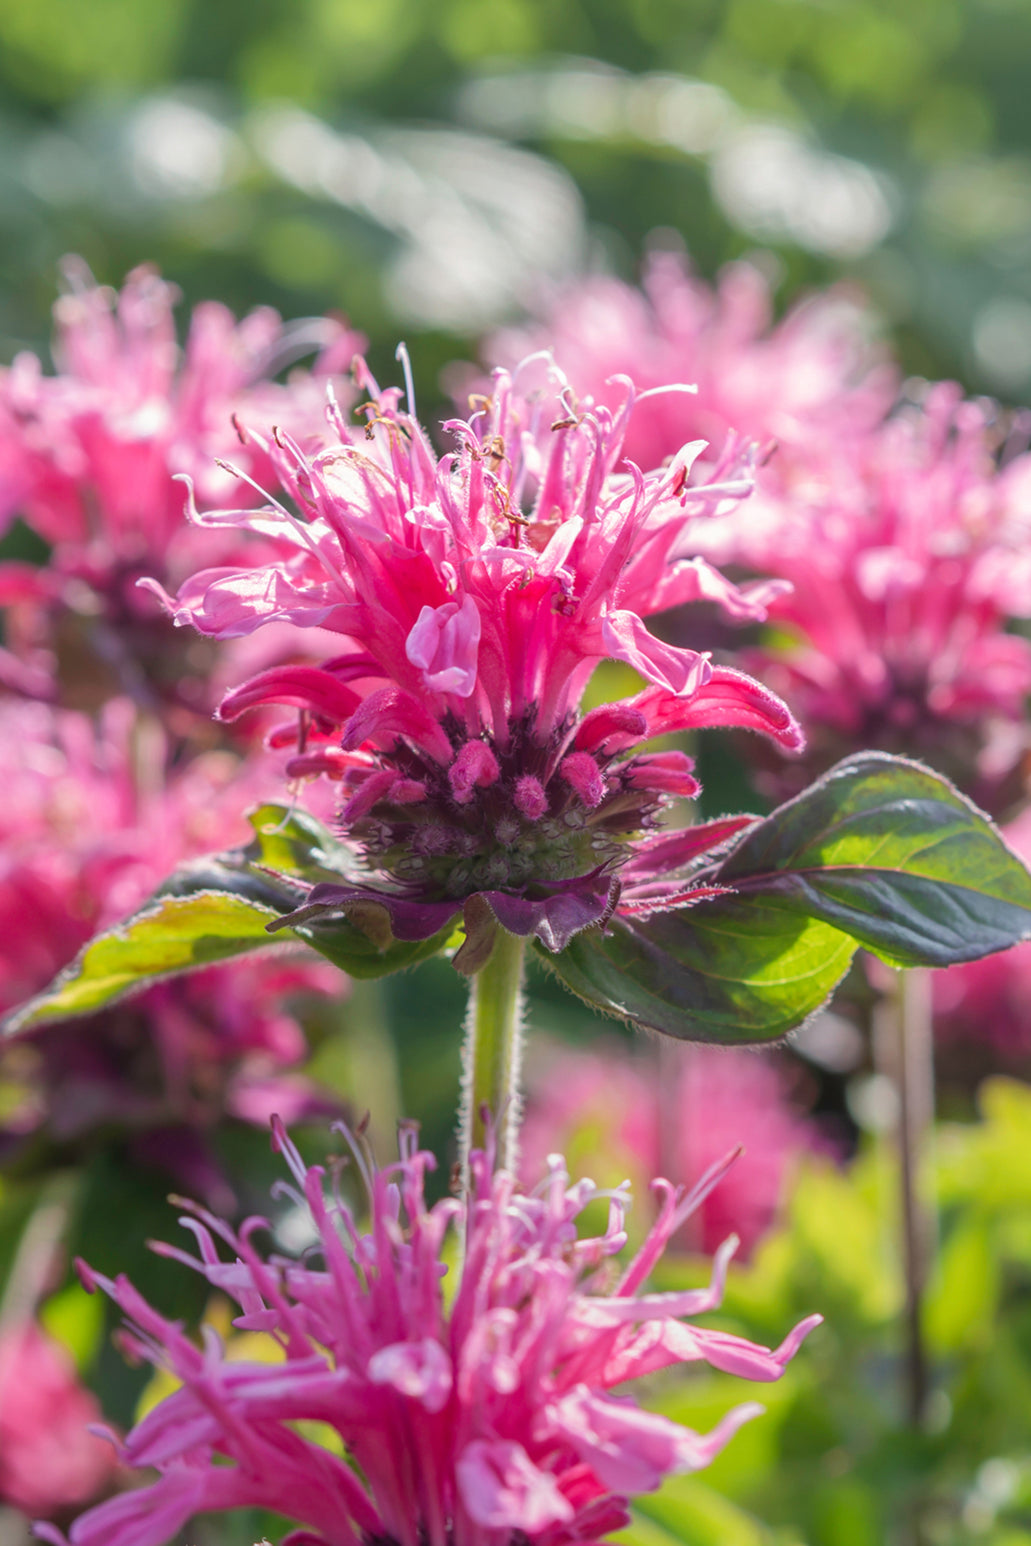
{"x":879,"y":852}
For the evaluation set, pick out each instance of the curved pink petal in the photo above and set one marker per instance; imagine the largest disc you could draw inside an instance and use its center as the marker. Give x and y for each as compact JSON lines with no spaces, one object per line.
{"x":303,"y":687}
{"x":390,"y":712}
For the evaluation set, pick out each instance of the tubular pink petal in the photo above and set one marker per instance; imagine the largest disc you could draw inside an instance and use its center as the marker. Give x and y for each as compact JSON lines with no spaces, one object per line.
{"x":668,"y":772}
{"x":420,"y":1370}
{"x":727,"y":698}
{"x":444,"y":644}
{"x":625,"y":637}
{"x":475,"y":767}
{"x":612,"y":728}
{"x":304,"y":687}
{"x":375,"y":787}
{"x":582,"y":773}
{"x":529,"y":797}
{"x":390,"y":712}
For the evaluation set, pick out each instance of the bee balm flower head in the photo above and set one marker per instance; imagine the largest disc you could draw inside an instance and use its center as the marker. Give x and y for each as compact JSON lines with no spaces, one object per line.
{"x":907,"y":558}
{"x":486,"y":1416}
{"x":474,"y":594}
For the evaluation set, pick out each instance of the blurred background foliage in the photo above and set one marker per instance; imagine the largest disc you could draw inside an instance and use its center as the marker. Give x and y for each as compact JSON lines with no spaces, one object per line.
{"x":424,"y":166}
{"x":427,"y":168}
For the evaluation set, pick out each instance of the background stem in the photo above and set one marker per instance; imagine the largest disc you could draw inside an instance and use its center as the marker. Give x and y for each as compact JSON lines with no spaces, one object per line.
{"x":916,"y":1113}
{"x":904,"y":1049}
{"x":492,"y":1053}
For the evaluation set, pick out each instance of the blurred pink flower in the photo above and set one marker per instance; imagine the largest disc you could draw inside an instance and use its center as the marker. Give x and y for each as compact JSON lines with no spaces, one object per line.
{"x":474,"y":595}
{"x":48,"y":1459}
{"x":987,"y":1004}
{"x":803,"y":383}
{"x":92,"y":821}
{"x":908,"y":556}
{"x":91,"y":455}
{"x":466,"y":1421}
{"x":633,"y":1116}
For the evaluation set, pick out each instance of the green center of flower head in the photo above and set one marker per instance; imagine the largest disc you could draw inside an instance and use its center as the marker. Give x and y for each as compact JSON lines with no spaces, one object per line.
{"x":495,"y":820}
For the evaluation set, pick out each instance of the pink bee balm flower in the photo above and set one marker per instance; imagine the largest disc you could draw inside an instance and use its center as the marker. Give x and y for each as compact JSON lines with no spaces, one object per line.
{"x":92,"y":822}
{"x":91,"y":455}
{"x":482,"y":1416}
{"x":907,"y":558}
{"x":679,"y":1112}
{"x":805,"y":382}
{"x":474,"y":595}
{"x":49,"y":1460}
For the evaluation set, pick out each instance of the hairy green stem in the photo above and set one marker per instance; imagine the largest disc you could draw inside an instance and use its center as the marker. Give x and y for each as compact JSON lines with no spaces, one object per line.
{"x":492,"y":1053}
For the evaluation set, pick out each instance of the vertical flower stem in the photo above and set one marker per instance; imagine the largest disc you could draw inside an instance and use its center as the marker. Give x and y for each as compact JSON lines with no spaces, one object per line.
{"x":492,"y":1053}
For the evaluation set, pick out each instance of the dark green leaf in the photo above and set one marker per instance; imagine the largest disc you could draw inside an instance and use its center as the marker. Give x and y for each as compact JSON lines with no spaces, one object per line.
{"x":894,"y":856}
{"x":879,"y":852}
{"x":730,"y":970}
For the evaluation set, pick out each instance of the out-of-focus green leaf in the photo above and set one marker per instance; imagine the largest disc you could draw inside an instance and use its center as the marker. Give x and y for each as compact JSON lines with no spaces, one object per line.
{"x":842,"y":1239}
{"x":687,"y":1511}
{"x":880,"y":852}
{"x":988,"y":1165}
{"x":76,"y":1320}
{"x":845,"y":1513}
{"x":960,"y":1305}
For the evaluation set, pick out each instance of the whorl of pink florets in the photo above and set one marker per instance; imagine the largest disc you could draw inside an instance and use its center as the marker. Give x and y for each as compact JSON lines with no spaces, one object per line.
{"x":503,"y":1392}
{"x":90,"y":456}
{"x":475,"y":594}
{"x":906,"y":558}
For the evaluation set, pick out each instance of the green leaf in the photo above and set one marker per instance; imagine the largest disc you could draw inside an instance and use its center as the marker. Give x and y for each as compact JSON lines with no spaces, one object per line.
{"x":895,"y":857}
{"x":291,"y":842}
{"x":962,"y":1302}
{"x":879,"y":852}
{"x":726,"y":971}
{"x":690,"y":1513}
{"x":172,"y":934}
{"x":214,"y":908}
{"x":359,"y":956}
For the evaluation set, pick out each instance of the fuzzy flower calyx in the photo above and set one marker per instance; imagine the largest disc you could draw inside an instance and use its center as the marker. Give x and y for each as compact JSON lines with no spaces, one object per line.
{"x":484,"y":1417}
